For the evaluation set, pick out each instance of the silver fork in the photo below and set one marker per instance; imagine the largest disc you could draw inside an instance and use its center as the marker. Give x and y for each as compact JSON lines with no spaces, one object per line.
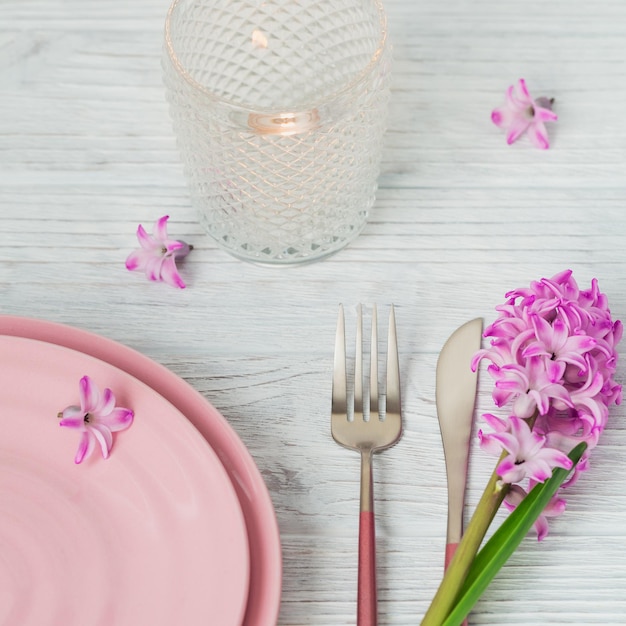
{"x":353,"y":430}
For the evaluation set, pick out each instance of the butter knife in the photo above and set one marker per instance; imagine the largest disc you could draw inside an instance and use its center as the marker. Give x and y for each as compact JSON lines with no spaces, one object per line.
{"x":455,"y":396}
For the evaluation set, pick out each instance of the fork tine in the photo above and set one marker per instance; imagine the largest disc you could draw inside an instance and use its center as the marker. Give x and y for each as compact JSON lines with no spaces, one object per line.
{"x":358,"y":366}
{"x":393,"y":368}
{"x":374,"y":365}
{"x":339,"y":399}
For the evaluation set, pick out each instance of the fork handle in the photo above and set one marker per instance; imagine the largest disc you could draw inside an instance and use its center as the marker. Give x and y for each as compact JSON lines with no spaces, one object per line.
{"x":366,"y":599}
{"x":366,"y":602}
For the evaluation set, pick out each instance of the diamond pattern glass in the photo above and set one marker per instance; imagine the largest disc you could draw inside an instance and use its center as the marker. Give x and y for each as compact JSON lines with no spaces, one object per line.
{"x":279,"y":109}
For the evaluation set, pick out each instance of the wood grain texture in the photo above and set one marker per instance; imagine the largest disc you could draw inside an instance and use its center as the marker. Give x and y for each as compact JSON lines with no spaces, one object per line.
{"x":87,"y":153}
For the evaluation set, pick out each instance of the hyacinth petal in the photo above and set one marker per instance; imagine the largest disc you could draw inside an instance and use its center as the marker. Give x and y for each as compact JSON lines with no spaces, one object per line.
{"x":508,"y":441}
{"x":169,"y":273}
{"x":160,"y":228}
{"x":523,"y":90}
{"x":103,"y":436}
{"x":145,"y":241}
{"x":85,"y":447}
{"x":489,"y":444}
{"x":477,"y":358}
{"x":554,"y":334}
{"x":153,"y":268}
{"x":541,"y":527}
{"x":540,"y":467}
{"x":513,"y":100}
{"x":514,"y":496}
{"x":502,"y":117}
{"x":107,"y":403}
{"x":562,"y":277}
{"x":174,"y":246}
{"x":524,"y":405}
{"x":538,"y":135}
{"x":559,"y":392}
{"x":589,"y":406}
{"x":509,"y":385}
{"x":498,"y":425}
{"x":509,"y":472}
{"x":89,"y":394}
{"x":517,"y":128}
{"x":545,"y":115}
{"x":500,"y":397}
{"x":555,"y":370}
{"x":555,"y":507}
{"x":520,"y":430}
{"x":595,"y":386}
{"x":537,"y":471}
{"x":520,"y":340}
{"x":556,"y":458}
{"x":541,"y":401}
{"x":579,"y":344}
{"x":581,"y":466}
{"x":118,"y":419}
{"x":528,"y":442}
{"x":77,"y":422}
{"x":137,"y":260}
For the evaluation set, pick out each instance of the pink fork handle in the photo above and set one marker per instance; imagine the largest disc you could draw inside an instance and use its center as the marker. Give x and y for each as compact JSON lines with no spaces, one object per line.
{"x":366,"y":600}
{"x":450,"y":550}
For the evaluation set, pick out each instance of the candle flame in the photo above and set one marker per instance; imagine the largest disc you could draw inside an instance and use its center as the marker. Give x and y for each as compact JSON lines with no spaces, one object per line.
{"x":259,"y":39}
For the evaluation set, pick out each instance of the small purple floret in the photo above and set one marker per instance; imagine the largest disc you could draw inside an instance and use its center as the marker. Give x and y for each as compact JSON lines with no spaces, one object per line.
{"x":157,"y":255}
{"x":96,"y":419}
{"x":521,"y":114}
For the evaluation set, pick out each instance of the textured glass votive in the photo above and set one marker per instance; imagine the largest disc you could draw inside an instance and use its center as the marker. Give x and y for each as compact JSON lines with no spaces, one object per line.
{"x":279,"y":109}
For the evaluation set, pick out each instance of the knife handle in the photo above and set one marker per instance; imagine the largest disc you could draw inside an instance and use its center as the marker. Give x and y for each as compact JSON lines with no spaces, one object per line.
{"x":450,"y":550}
{"x":366,"y":600}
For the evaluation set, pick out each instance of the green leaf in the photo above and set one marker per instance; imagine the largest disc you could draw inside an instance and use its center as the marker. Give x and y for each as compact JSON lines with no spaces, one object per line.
{"x":505,"y":540}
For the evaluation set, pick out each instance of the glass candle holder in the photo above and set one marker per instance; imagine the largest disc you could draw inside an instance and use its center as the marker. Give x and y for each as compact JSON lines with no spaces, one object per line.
{"x":279,"y":110}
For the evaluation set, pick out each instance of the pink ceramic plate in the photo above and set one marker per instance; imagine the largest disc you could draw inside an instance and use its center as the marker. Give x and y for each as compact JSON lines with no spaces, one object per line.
{"x":152,"y":535}
{"x":263,"y":538}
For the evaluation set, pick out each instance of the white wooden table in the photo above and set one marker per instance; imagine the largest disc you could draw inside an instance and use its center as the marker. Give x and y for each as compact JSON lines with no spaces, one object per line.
{"x":87,"y":153}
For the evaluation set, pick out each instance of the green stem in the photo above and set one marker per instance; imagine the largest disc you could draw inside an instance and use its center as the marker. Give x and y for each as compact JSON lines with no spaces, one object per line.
{"x":505,"y":540}
{"x":455,"y":575}
{"x":459,"y":566}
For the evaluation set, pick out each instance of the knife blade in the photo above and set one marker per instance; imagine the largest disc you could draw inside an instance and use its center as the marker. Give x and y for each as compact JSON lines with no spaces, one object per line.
{"x":455,"y":396}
